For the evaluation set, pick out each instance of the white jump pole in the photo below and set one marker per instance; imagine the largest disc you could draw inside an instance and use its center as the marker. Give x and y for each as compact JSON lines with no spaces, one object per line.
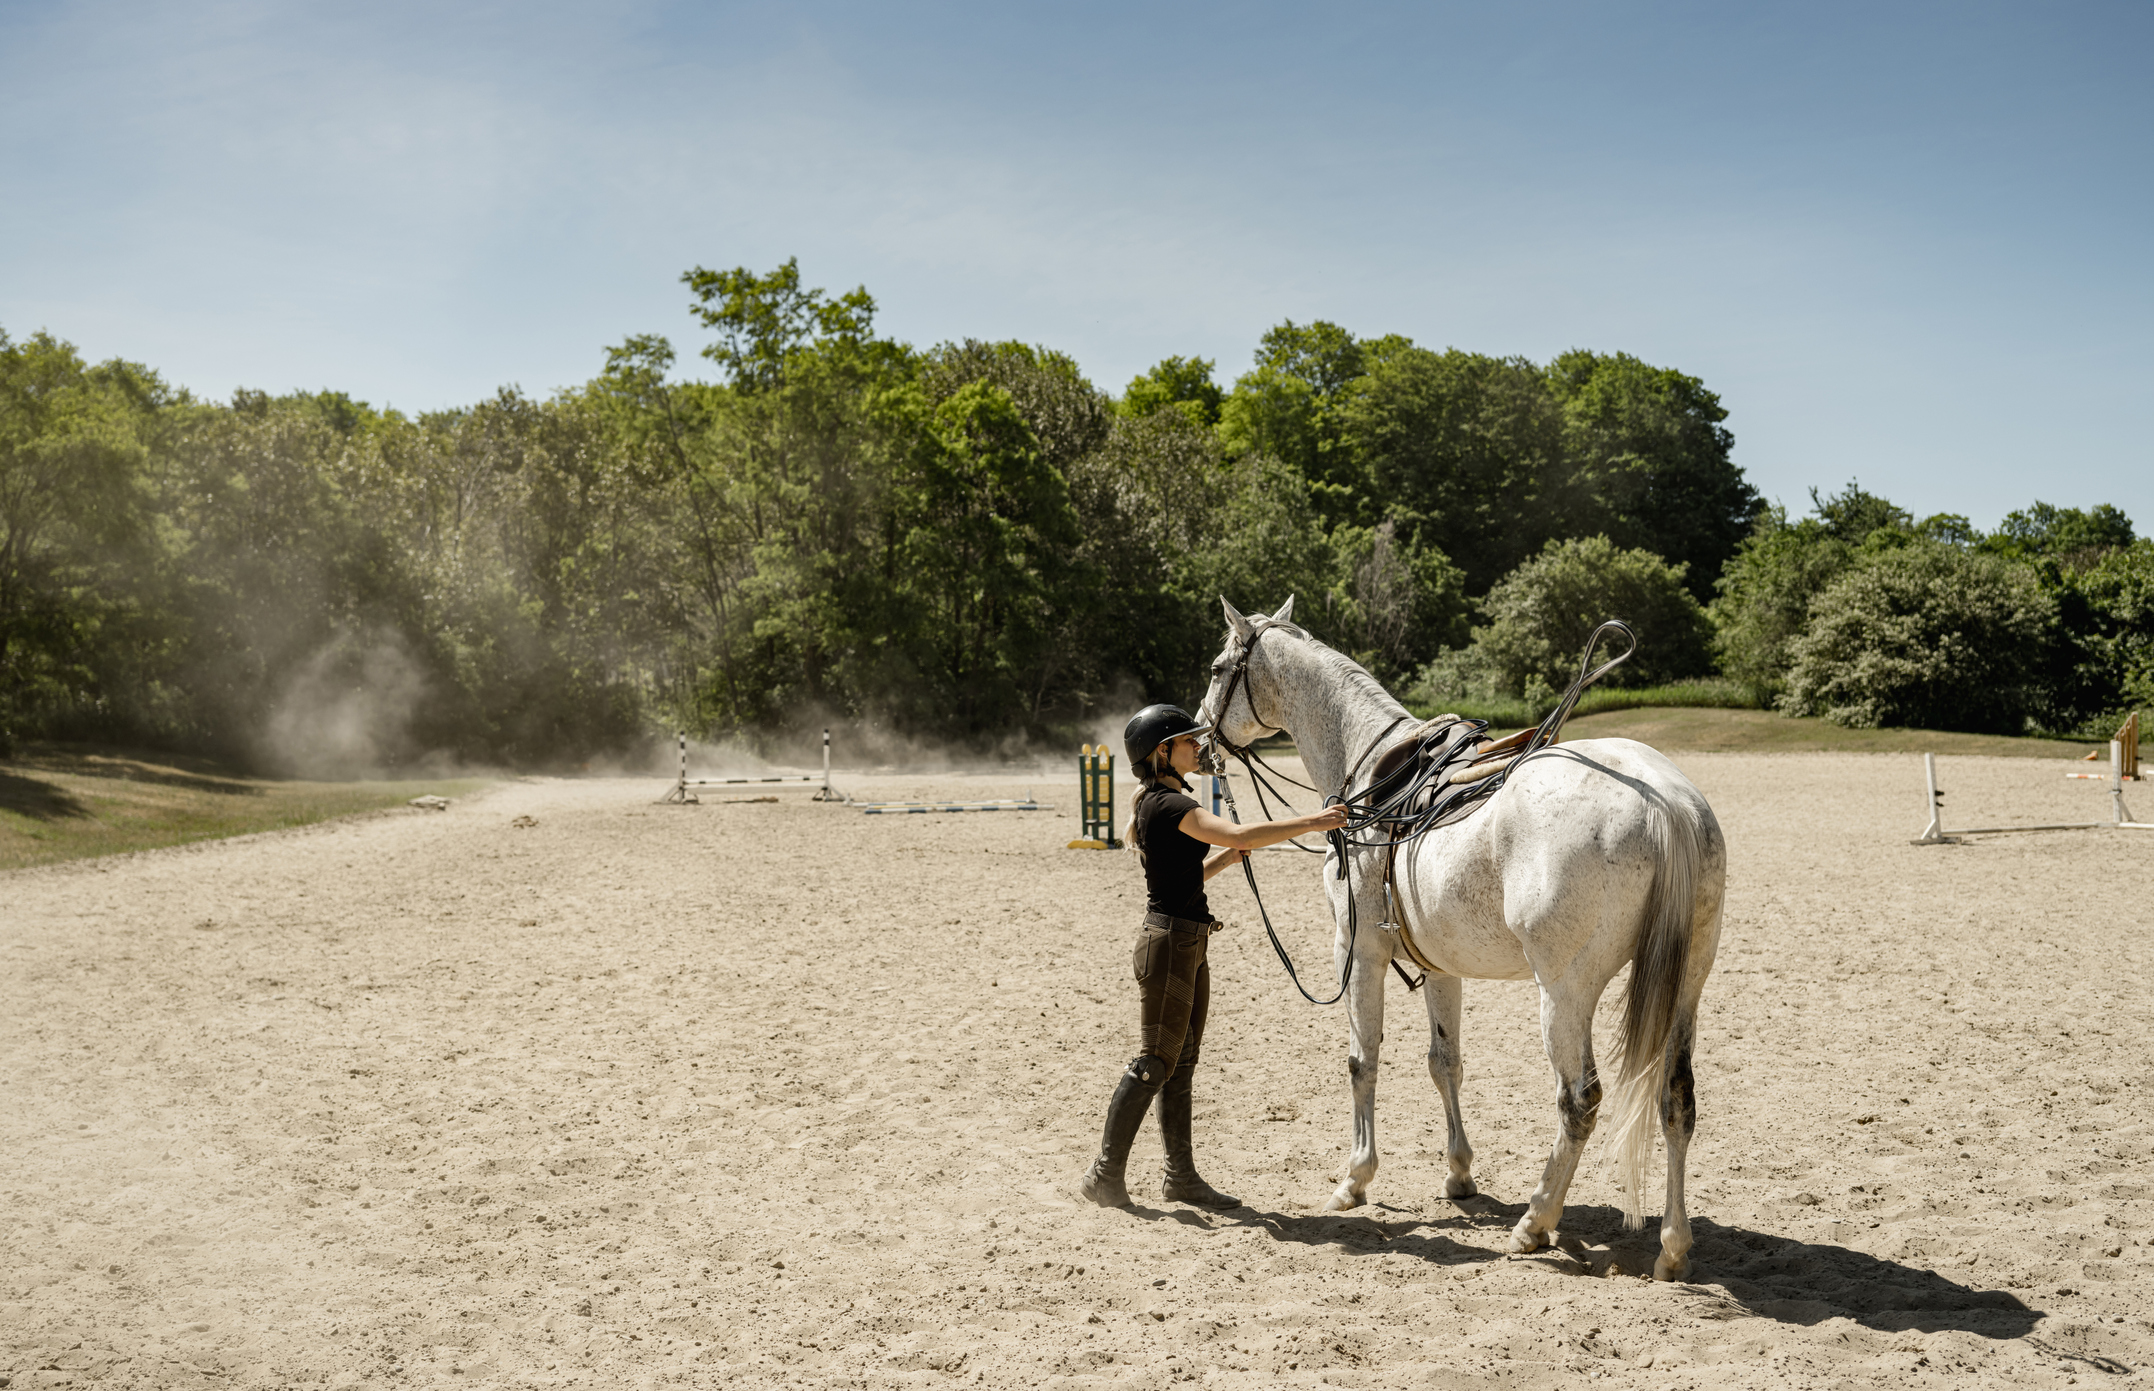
{"x":2120,"y":816}
{"x":825,"y":794}
{"x":1934,"y":833}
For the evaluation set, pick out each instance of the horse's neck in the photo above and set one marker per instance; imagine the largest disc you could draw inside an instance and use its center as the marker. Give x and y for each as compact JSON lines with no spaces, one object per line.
{"x":1334,"y":720}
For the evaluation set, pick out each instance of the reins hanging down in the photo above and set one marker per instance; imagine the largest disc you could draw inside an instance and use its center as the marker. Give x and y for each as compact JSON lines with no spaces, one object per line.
{"x":1440,"y":783}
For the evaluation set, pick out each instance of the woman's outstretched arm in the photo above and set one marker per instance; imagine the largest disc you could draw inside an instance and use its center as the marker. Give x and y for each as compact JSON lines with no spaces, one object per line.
{"x":1199,"y":824}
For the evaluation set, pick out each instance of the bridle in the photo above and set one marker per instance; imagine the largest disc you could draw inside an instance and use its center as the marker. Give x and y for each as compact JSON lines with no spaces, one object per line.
{"x":1250,"y":760}
{"x":1389,"y":807}
{"x":1239,"y":681}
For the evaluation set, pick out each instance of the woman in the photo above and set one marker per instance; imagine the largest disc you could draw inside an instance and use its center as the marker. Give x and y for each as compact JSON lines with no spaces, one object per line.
{"x":1169,"y":832}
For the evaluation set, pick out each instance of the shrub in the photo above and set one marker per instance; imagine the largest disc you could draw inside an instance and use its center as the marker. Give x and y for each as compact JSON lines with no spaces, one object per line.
{"x":1542,"y":613}
{"x":1924,"y":634}
{"x":1765,"y":595}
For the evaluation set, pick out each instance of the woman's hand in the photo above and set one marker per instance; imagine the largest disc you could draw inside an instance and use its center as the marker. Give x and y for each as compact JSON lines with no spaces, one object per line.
{"x":1225,"y":858}
{"x":1329,"y":819}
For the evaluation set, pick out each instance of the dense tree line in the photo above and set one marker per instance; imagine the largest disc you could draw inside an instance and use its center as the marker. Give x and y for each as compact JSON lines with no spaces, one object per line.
{"x":1863,"y":615}
{"x":969,"y":541}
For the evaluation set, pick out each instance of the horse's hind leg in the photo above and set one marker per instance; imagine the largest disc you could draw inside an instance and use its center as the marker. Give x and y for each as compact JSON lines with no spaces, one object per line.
{"x":1567,"y":1032}
{"x":1678,"y":1099}
{"x":1447,"y":1066}
{"x":1678,"y":1118}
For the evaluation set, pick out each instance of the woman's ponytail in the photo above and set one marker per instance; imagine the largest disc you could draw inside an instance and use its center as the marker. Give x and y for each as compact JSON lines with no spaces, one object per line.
{"x":1147,"y":781}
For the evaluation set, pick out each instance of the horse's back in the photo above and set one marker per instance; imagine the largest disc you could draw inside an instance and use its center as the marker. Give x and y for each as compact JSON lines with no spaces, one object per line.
{"x":1603,"y":783}
{"x":1562,"y":858}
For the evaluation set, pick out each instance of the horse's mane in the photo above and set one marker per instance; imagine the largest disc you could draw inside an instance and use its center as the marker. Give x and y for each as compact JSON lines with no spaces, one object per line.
{"x":1353,"y":673}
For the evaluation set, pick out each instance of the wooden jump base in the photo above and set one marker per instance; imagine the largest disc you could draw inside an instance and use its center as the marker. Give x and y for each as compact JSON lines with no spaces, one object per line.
{"x":1095,"y":798}
{"x":2128,"y":736}
{"x":2120,"y":815}
{"x":679,"y":794}
{"x":921,"y":808}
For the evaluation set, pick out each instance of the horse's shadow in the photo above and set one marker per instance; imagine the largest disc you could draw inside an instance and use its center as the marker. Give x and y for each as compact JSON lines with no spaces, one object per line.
{"x":1762,"y":1273}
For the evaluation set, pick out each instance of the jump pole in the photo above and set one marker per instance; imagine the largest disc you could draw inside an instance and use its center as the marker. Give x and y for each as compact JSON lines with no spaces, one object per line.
{"x":678,"y":794}
{"x":826,"y":793}
{"x":923,"y":808}
{"x":2120,"y":814}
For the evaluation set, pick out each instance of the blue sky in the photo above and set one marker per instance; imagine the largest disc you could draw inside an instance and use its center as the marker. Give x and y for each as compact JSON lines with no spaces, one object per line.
{"x":1905,"y":242}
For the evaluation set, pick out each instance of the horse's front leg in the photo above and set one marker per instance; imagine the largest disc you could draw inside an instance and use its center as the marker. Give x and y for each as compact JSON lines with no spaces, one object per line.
{"x":1370,"y":951}
{"x":1447,"y":1065}
{"x":1567,"y":1032}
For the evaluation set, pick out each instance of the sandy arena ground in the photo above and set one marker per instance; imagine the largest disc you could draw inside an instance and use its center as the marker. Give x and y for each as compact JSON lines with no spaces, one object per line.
{"x":779,"y":1094}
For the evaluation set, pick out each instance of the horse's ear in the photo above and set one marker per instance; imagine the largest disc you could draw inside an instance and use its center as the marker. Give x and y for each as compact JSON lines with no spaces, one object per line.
{"x":1286,"y":611}
{"x":1240,"y":625}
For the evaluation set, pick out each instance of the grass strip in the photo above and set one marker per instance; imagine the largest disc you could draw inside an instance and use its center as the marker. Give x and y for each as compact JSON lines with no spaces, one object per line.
{"x":71,"y":802}
{"x":1505,"y":713}
{"x":1693,"y":730}
{"x":1709,"y":729}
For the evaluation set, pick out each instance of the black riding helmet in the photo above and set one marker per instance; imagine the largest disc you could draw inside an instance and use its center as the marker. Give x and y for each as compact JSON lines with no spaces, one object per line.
{"x":1155,"y":725}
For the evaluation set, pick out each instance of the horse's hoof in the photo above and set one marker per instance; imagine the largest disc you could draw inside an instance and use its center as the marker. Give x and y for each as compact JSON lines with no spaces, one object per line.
{"x":1344,"y":1199}
{"x":1669,"y":1267}
{"x":1525,"y":1239}
{"x":1459,"y":1188}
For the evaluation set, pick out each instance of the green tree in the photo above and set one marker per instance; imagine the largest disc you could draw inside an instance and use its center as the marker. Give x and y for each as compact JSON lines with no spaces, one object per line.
{"x":1148,"y":503}
{"x":2065,"y":536}
{"x":1649,"y":461}
{"x":1541,"y":615}
{"x":1268,"y":540}
{"x":2103,"y":665}
{"x":1765,"y":594}
{"x":779,"y":485}
{"x":1924,"y":634}
{"x":984,"y":523}
{"x":1392,"y":605}
{"x":1852,"y":514}
{"x":1464,"y":450}
{"x":1068,"y":416}
{"x":1286,"y":407}
{"x":75,"y":526}
{"x":761,"y":320}
{"x":1182,"y":382}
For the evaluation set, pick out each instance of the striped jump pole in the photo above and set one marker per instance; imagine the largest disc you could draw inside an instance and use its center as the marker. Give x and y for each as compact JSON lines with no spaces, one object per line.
{"x":922,"y":808}
{"x":679,"y":793}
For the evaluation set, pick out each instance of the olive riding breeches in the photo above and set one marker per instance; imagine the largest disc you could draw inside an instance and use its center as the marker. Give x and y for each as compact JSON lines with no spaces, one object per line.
{"x":1174,"y":987}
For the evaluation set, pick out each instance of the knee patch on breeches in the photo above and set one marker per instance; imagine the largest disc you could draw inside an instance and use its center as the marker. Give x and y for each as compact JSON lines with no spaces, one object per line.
{"x":1151,"y":1069}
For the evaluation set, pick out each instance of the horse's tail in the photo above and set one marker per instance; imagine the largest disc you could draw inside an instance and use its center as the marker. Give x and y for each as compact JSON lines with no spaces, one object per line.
{"x":1650,"y":1003}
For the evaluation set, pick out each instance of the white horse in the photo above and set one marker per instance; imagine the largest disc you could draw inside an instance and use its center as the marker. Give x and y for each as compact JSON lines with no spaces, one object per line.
{"x":1594,"y":855}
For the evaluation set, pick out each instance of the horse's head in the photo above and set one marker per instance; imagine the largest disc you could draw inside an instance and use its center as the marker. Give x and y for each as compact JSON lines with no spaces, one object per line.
{"x":1232,"y":705}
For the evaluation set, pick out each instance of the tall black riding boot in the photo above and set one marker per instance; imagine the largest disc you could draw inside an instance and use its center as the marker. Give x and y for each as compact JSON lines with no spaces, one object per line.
{"x":1183,"y":1185}
{"x":1103,"y":1181}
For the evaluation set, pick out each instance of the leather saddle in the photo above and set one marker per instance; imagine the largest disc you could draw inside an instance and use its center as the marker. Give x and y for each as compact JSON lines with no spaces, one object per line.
{"x":1449,"y":760}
